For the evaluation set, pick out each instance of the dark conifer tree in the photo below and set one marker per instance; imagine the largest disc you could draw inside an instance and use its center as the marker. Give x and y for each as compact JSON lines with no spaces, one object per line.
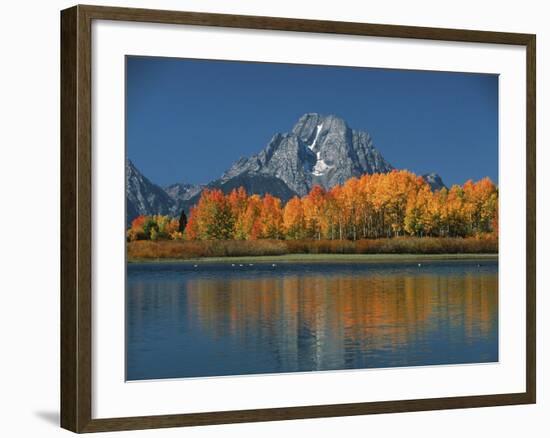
{"x":182,"y":222}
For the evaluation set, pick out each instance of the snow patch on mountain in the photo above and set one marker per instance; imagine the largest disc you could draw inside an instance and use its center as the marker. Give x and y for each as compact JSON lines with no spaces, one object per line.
{"x":320,"y":167}
{"x":319,"y":127}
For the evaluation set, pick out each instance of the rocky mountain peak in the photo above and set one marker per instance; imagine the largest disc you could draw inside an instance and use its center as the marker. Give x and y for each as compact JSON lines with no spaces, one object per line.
{"x":144,"y":197}
{"x":434,"y":181}
{"x":311,"y":125}
{"x":320,"y":149}
{"x":182,"y":191}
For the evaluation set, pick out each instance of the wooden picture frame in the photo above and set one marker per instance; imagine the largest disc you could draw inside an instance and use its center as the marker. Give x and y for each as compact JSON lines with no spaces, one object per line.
{"x":76,"y":218}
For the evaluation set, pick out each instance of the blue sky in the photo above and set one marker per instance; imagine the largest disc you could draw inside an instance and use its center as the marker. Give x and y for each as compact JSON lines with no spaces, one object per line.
{"x":189,"y":120}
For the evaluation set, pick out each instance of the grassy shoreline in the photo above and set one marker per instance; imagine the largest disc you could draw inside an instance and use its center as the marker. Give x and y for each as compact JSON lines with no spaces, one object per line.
{"x":312,"y":250}
{"x":327,"y":258}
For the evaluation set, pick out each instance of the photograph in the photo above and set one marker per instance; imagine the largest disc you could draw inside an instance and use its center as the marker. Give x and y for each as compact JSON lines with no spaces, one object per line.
{"x":253,"y":219}
{"x":289,"y":218}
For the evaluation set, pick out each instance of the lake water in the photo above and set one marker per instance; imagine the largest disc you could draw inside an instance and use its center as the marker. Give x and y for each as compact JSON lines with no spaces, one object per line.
{"x":218,"y":319}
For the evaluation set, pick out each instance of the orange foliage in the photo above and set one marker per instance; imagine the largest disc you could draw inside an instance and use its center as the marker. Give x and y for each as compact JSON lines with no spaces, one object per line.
{"x":389,"y":205}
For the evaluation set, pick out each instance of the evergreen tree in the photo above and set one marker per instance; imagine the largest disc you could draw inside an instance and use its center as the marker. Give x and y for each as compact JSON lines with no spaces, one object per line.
{"x":182,"y":222}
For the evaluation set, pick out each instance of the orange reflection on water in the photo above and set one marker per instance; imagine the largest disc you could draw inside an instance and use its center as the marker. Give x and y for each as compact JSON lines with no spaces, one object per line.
{"x":332,"y":317}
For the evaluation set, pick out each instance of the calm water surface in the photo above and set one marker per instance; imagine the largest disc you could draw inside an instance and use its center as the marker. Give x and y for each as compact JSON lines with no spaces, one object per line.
{"x":216,"y":319}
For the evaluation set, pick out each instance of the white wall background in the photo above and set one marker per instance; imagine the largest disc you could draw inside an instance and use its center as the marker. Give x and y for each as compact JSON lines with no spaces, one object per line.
{"x":29,"y":215}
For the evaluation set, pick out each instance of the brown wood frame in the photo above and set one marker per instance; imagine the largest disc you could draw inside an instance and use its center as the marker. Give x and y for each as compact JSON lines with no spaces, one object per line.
{"x":76,"y":177}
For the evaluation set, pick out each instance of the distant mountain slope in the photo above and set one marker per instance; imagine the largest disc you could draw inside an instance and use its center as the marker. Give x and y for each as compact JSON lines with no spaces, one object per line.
{"x":253,"y":184}
{"x":182,"y":192}
{"x":434,"y":180}
{"x":144,"y":197}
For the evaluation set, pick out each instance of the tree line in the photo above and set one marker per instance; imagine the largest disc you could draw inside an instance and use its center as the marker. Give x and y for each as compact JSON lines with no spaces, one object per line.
{"x":385,"y":205}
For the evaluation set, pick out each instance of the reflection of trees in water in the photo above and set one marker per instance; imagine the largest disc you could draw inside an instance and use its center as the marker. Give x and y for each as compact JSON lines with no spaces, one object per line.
{"x":318,"y":322}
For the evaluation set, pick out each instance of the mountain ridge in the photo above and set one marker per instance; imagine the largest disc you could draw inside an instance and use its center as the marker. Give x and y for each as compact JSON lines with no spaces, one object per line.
{"x":144,"y":197}
{"x":318,"y":150}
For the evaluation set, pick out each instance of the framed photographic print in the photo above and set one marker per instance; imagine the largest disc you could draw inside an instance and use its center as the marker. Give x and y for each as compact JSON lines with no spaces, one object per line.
{"x":268,"y":218}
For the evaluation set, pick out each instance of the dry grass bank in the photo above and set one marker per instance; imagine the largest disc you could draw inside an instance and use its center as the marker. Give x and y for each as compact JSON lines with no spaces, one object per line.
{"x":172,"y":249}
